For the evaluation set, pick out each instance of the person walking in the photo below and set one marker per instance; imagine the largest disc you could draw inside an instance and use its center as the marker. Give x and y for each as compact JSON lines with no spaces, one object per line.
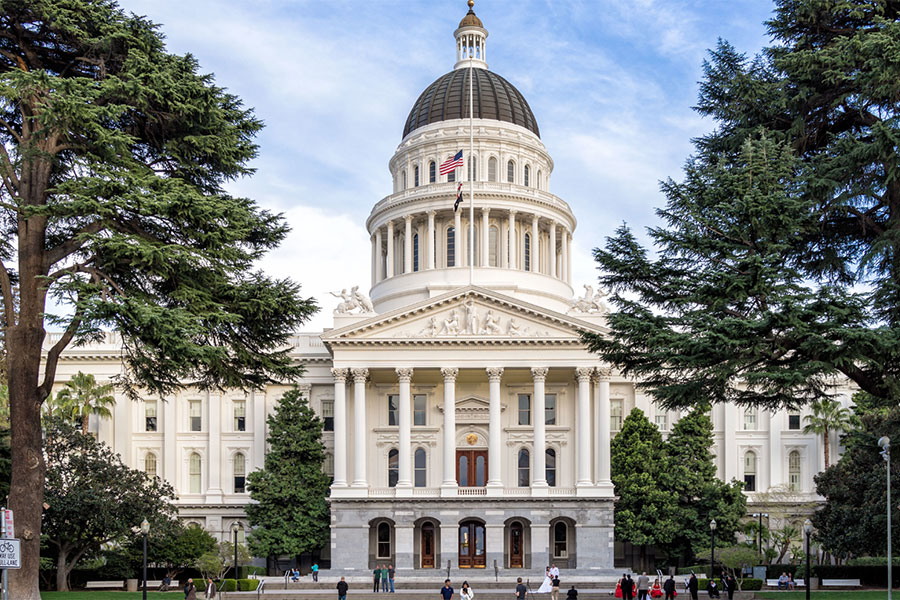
{"x":391,"y":577}
{"x":643,"y":586}
{"x":572,"y":594}
{"x":342,"y":588}
{"x":521,"y":590}
{"x":210,"y":589}
{"x":190,"y":591}
{"x":669,"y":588}
{"x":376,"y":577}
{"x":466,"y":593}
{"x":447,"y":591}
{"x":554,"y":586}
{"x":315,"y":571}
{"x":692,"y":586}
{"x":384,"y":578}
{"x":730,"y":586}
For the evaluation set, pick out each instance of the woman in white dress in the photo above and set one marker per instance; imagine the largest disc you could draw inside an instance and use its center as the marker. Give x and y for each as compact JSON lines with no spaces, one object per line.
{"x":547,"y":586}
{"x":466,"y":592}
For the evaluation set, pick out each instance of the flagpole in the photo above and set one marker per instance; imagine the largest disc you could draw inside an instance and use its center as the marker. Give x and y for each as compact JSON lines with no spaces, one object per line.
{"x":471,"y":178}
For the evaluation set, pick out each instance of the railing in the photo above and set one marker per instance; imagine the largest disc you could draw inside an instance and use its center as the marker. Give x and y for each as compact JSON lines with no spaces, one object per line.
{"x":471,"y":491}
{"x":517,"y":491}
{"x":555,"y":491}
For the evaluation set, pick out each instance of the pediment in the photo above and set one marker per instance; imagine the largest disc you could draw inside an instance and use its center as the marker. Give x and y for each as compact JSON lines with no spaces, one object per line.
{"x":471,"y":315}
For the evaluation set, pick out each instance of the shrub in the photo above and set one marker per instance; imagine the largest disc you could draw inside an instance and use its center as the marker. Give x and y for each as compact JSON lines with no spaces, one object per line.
{"x":227,"y":585}
{"x":867,"y":574}
{"x":258,"y":571}
{"x":775,"y":571}
{"x":752,"y":585}
{"x":248,"y":585}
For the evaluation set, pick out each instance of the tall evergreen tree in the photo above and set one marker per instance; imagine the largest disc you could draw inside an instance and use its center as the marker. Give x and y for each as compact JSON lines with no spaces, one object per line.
{"x":645,"y":509}
{"x":290,"y":514}
{"x":700,"y":495}
{"x":779,"y":264}
{"x":113,"y":158}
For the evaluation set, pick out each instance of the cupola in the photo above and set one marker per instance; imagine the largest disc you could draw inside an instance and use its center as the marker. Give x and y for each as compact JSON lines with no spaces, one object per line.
{"x":471,"y":37}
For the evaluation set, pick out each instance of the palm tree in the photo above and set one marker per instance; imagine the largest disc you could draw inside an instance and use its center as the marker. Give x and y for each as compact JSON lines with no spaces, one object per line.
{"x":827,"y":415}
{"x":82,"y":397}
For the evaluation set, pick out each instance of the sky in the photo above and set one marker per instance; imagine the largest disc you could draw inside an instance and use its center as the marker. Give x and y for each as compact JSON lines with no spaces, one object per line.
{"x":611,"y":84}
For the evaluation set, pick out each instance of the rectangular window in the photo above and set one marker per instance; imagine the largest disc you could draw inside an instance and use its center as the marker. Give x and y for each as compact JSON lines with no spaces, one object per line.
{"x":550,"y":409}
{"x":794,"y":421}
{"x":393,"y":418}
{"x":150,"y":415}
{"x":419,"y":406}
{"x":662,"y":421}
{"x":615,"y":414}
{"x":750,"y":420}
{"x":328,"y":415}
{"x":240,"y":415}
{"x":451,"y":247}
{"x":328,"y":465}
{"x":196,"y":413}
{"x":524,"y":409}
{"x":749,"y":482}
{"x":451,"y":176}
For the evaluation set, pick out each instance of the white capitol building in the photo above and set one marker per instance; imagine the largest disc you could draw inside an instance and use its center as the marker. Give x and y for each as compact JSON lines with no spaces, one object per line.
{"x":465,"y":420}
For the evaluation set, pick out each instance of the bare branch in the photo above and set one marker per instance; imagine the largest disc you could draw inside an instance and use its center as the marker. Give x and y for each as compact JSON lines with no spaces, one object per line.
{"x":9,"y":128}
{"x":55,"y":351}
{"x":75,"y":242}
{"x":9,"y":306}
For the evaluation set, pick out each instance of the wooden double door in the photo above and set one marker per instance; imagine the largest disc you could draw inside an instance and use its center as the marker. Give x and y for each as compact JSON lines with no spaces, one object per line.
{"x":471,"y":545}
{"x":428,"y":546}
{"x":471,"y":468}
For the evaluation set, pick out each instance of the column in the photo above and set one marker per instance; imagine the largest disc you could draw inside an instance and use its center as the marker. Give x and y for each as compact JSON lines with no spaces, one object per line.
{"x":583,"y":375}
{"x":390,"y":249}
{"x":407,"y":245}
{"x":485,"y":238}
{"x":359,"y":427}
{"x":603,"y":435}
{"x":379,"y":257}
{"x":373,"y":267}
{"x":404,"y":478}
{"x":776,"y":477}
{"x":214,"y":427}
{"x":535,"y":245}
{"x":258,"y":401}
{"x":513,"y":263}
{"x":170,"y":433}
{"x":123,"y":426}
{"x":495,"y":476}
{"x":552,"y":249}
{"x":730,"y":448}
{"x":539,"y":470}
{"x":457,"y":239}
{"x":429,"y":241}
{"x":449,"y":481}
{"x":564,"y":243}
{"x":340,"y":427}
{"x":568,"y":250}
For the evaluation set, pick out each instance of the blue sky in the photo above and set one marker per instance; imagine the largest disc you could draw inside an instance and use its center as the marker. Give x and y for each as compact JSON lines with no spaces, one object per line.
{"x":610,"y":83}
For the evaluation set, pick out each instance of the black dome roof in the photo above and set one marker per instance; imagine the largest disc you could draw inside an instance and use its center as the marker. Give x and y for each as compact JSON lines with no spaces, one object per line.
{"x":493,"y":98}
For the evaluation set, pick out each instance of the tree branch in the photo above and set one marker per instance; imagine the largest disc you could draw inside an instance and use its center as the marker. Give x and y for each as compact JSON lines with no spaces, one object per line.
{"x":74,"y":243}
{"x":55,"y":351}
{"x":9,"y":306}
{"x":9,"y":128}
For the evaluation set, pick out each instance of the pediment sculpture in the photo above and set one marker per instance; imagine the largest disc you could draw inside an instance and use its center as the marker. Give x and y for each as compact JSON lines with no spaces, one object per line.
{"x":468,"y":321}
{"x":591,"y":302}
{"x":351,"y":301}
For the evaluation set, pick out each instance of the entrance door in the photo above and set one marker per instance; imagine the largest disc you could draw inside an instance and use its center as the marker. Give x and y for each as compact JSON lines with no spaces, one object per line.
{"x":471,"y":468}
{"x":516,"y":545}
{"x":471,"y":545}
{"x":427,"y":546}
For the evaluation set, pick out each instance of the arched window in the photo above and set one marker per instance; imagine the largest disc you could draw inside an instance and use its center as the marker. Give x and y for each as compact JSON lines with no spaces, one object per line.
{"x":510,"y":172}
{"x":150,"y":464}
{"x":393,"y":467}
{"x":750,"y":471}
{"x":493,"y":238}
{"x":550,"y":462}
{"x":540,"y":180}
{"x":794,"y":471}
{"x":560,"y":540}
{"x":492,"y":168}
{"x":240,"y":473}
{"x":403,"y":179}
{"x":527,"y":173}
{"x":415,"y":252}
{"x":241,"y":534}
{"x":432,"y":172}
{"x":524,"y":468}
{"x":420,"y":469}
{"x":527,"y":252}
{"x":384,"y":540}
{"x":416,"y":176}
{"x":195,"y":473}
{"x":451,"y":247}
{"x":473,"y":169}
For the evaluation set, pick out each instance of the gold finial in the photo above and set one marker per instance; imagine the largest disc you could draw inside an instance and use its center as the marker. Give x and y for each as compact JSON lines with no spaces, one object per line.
{"x":471,"y":4}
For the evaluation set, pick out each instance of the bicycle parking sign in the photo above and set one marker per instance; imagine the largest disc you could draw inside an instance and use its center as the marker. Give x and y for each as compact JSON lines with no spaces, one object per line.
{"x":10,"y":554}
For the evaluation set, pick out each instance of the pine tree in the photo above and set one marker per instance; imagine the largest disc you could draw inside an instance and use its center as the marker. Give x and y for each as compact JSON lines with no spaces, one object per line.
{"x":701,"y":496}
{"x":290,"y":514}
{"x":645,"y":509}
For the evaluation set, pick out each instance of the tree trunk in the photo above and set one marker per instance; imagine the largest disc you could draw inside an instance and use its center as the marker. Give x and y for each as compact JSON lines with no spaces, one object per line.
{"x":62,"y":571}
{"x":86,"y":416}
{"x":825,"y":445}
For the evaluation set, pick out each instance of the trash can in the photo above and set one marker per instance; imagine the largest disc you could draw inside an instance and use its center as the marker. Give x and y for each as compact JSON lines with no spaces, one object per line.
{"x":131,"y":585}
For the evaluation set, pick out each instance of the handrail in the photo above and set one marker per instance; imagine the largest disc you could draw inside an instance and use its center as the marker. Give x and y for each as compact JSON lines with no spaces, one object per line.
{"x":259,"y":589}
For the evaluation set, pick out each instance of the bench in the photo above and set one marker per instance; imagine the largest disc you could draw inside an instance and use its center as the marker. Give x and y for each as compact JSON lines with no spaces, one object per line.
{"x":104,"y":585}
{"x":798,"y":583}
{"x":844,"y":583}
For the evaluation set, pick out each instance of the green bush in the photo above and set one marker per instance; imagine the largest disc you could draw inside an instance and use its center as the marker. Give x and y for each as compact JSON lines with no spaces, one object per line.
{"x":867,"y":575}
{"x":248,"y":585}
{"x":873,"y":561}
{"x":775,"y":571}
{"x":749,"y":585}
{"x":227,"y":585}
{"x":752,"y":585}
{"x":694,"y":568}
{"x":258,"y":571}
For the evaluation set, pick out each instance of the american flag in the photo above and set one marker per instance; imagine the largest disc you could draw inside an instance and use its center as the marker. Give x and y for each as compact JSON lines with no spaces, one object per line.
{"x":452,"y":163}
{"x":458,"y":196}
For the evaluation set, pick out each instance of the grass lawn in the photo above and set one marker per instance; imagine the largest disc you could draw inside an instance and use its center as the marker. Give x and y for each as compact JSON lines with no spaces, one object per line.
{"x":175,"y":594}
{"x":831,"y":595}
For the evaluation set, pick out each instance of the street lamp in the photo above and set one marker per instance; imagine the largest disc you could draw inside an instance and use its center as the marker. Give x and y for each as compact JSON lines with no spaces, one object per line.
{"x":712,"y":557}
{"x":885,"y":444}
{"x":760,"y":515}
{"x":145,"y":529}
{"x":807,"y":527}
{"x":234,"y":529}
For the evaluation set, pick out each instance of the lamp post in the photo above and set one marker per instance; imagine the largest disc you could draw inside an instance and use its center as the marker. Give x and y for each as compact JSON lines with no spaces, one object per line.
{"x":712,"y":557}
{"x":885,"y":444}
{"x":145,"y":529}
{"x":760,"y":515}
{"x":807,"y":527}
{"x":234,"y":529}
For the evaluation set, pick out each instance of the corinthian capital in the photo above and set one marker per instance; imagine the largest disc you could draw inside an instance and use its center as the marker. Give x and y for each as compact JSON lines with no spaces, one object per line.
{"x":583,"y":373}
{"x":539,"y":373}
{"x":359,"y":375}
{"x":340,"y":374}
{"x":494,"y":373}
{"x":449,"y":373}
{"x":404,"y":374}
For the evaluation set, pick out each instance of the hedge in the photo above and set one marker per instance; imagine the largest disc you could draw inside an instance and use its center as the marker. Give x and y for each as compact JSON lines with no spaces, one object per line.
{"x":248,"y":585}
{"x":775,"y":571}
{"x":749,"y":585}
{"x":867,"y":574}
{"x":227,"y":585}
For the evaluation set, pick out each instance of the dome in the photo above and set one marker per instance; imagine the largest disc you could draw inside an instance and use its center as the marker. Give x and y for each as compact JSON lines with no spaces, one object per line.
{"x":493,"y":98}
{"x":471,"y":20}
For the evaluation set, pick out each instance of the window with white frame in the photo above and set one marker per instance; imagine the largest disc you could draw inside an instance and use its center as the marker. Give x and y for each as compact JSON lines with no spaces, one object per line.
{"x":527,"y":178}
{"x":550,"y":409}
{"x":750,"y":419}
{"x":793,"y":421}
{"x":550,"y":467}
{"x":527,"y":257}
{"x":393,"y":411}
{"x":196,"y":415}
{"x":328,"y":414}
{"x":403,"y":179}
{"x":492,"y":169}
{"x":750,"y":471}
{"x":510,"y":172}
{"x":493,"y":246}
{"x":794,"y":471}
{"x":150,"y":464}
{"x":419,"y":468}
{"x":432,"y":172}
{"x":616,"y":408}
{"x":524,"y":466}
{"x":150,"y":422}
{"x":524,"y":409}
{"x":195,"y":471}
{"x":415,"y":252}
{"x":560,"y":540}
{"x":420,"y":409}
{"x":416,"y":175}
{"x":384,"y":541}
{"x":393,"y":467}
{"x":240,"y":415}
{"x":240,"y":473}
{"x":662,"y":420}
{"x":451,"y":246}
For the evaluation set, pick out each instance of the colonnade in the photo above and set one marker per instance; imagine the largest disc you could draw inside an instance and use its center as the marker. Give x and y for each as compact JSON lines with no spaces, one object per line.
{"x":554,"y":236}
{"x":588,"y":447}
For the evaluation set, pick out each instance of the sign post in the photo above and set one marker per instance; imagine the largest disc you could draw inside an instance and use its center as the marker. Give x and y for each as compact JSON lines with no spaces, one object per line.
{"x":10,"y":549}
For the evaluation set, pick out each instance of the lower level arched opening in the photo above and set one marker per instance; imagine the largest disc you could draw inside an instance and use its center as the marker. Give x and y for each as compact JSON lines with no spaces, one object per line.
{"x":472,"y":552}
{"x":517,"y":543}
{"x":562,"y":543}
{"x":426,"y":544}
{"x":381,"y":542}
